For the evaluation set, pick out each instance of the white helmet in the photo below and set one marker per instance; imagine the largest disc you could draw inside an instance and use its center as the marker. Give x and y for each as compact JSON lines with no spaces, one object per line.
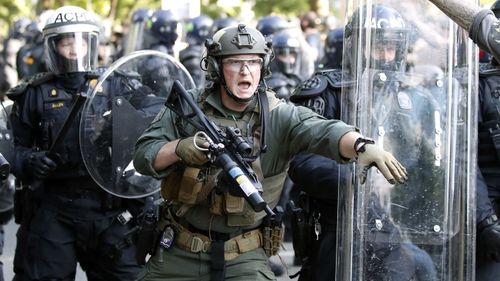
{"x":71,"y":40}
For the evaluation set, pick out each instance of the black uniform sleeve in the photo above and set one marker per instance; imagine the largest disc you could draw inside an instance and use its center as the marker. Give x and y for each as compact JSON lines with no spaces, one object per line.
{"x":485,"y":32}
{"x":316,"y":175}
{"x":23,"y":128}
{"x":484,"y":206}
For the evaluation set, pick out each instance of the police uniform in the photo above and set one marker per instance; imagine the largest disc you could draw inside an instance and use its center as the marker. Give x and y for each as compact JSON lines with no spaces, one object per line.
{"x":317,"y":176}
{"x":72,"y":218}
{"x":190,"y":58}
{"x":65,"y":218}
{"x":488,"y":183}
{"x":290,"y":130}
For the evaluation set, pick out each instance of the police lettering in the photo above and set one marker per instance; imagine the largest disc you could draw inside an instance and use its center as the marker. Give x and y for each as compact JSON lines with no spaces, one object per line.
{"x":71,"y":17}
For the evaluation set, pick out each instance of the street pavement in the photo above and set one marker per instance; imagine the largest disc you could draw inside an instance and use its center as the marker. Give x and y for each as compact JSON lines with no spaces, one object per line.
{"x":10,"y":243}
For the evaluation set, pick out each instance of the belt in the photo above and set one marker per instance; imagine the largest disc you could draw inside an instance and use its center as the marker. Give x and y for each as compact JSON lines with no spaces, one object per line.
{"x":196,"y":242}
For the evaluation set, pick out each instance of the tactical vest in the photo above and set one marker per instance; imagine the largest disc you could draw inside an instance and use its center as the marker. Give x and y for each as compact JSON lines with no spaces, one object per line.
{"x":56,"y":104}
{"x":201,"y":185}
{"x":489,"y":126}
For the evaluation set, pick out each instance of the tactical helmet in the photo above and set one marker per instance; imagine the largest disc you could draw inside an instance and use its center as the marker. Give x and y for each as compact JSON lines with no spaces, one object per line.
{"x":496,"y":8}
{"x":75,"y":29}
{"x":135,"y":37}
{"x":287,"y":52}
{"x":235,"y":40}
{"x":269,"y":25}
{"x":386,"y":26}
{"x":163,"y":27}
{"x":333,"y":48}
{"x":198,"y":29}
{"x":222,"y":23}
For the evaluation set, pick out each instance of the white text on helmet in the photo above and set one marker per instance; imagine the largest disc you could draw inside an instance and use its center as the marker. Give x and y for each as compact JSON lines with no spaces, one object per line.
{"x":72,"y":17}
{"x":386,"y":23}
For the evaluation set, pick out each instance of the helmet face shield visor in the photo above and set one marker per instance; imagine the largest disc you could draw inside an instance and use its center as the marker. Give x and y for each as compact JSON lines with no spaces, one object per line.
{"x":71,"y":52}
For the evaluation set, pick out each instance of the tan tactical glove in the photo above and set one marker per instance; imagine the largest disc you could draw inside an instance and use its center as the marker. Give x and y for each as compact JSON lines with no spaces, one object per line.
{"x":370,"y":154}
{"x":189,"y":153}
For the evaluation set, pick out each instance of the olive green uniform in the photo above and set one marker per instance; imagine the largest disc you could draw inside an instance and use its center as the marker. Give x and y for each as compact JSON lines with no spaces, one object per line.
{"x":290,"y":130}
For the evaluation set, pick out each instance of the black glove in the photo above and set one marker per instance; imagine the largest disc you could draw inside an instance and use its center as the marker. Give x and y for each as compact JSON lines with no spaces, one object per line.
{"x":489,"y":237}
{"x":41,"y":165}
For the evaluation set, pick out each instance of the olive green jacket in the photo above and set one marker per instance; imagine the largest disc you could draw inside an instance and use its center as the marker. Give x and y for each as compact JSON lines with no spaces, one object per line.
{"x":290,"y":130}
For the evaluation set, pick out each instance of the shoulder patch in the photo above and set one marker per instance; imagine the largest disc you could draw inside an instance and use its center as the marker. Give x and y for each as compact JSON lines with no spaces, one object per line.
{"x":34,"y":80}
{"x":312,"y":87}
{"x":41,"y":78}
{"x":16,"y":91}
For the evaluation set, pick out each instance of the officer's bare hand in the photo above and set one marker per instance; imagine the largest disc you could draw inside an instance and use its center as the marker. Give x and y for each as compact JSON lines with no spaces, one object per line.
{"x":189,"y":153}
{"x":41,"y":165}
{"x":374,"y":155}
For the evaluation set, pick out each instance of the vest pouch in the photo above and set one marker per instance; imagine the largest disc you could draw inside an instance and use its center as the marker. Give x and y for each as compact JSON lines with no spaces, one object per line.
{"x":190,"y":186}
{"x":216,"y":200}
{"x":171,"y":184}
{"x":233,"y":204}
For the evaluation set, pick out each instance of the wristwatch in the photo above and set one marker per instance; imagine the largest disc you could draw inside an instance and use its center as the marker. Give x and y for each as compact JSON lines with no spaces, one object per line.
{"x":359,"y":144}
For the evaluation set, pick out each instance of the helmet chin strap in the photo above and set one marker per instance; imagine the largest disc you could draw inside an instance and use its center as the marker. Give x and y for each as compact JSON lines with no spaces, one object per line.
{"x":237,"y":99}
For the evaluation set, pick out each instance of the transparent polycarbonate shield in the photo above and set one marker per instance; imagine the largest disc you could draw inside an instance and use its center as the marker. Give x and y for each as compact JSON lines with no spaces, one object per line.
{"x":123,"y":102}
{"x":414,"y":93}
{"x":7,"y":186}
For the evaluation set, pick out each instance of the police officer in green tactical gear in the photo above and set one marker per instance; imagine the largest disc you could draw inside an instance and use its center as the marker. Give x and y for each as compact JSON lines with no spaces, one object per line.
{"x":206,"y":231}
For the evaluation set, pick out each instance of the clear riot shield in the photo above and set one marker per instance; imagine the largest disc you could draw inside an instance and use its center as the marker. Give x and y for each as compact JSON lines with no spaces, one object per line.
{"x":125,"y":99}
{"x":7,"y":186}
{"x":414,"y":93}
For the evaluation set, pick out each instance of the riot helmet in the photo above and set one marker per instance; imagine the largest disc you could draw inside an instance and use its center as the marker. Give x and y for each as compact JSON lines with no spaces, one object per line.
{"x":496,"y":8}
{"x":198,"y":29}
{"x":138,"y":24}
{"x":163,"y":27}
{"x":235,"y":40}
{"x":287,"y":53}
{"x":333,"y":48}
{"x":222,"y":23}
{"x":388,"y":34}
{"x":71,"y":40}
{"x":270,"y":25}
{"x":19,"y":28}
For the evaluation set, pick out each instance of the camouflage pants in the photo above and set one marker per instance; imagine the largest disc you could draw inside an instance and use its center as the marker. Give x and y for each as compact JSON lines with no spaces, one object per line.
{"x":177,"y":264}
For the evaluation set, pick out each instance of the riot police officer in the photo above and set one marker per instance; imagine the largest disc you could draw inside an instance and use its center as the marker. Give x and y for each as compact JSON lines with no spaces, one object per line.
{"x":221,"y":23}
{"x":30,"y":57}
{"x":270,"y":25}
{"x":334,"y":44}
{"x":135,"y":37}
{"x":162,"y":32}
{"x":488,"y":187}
{"x":197,"y":30}
{"x":285,"y":68}
{"x":389,"y":256}
{"x":66,"y":217}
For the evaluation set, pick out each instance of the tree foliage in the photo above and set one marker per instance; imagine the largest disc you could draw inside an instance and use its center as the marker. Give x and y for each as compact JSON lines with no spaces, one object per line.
{"x":289,"y":7}
{"x":119,"y":11}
